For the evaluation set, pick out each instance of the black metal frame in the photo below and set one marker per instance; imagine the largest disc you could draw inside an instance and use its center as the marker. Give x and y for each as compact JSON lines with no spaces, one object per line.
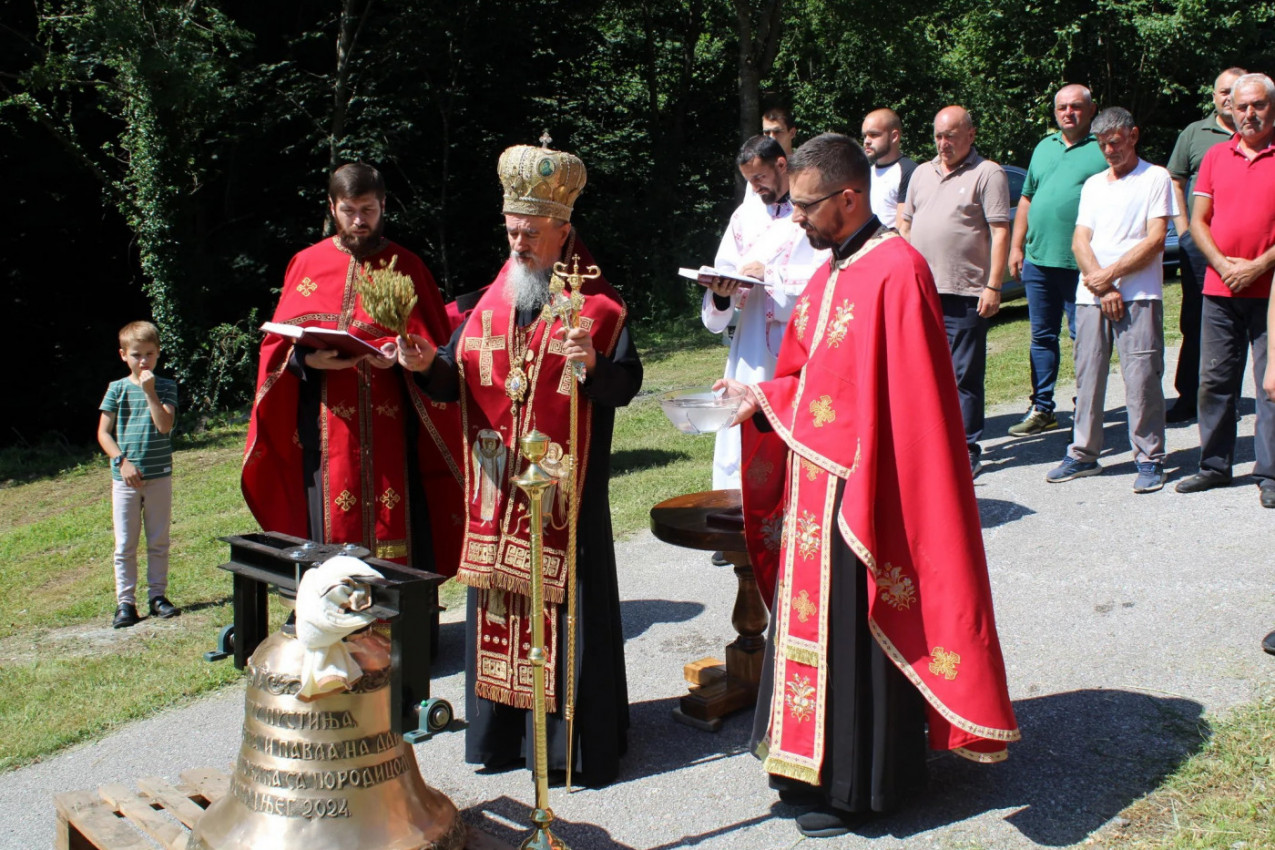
{"x":407,"y":598}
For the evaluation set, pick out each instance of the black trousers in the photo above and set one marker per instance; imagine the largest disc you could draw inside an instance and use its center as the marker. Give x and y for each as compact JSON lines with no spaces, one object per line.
{"x":1229,"y":327}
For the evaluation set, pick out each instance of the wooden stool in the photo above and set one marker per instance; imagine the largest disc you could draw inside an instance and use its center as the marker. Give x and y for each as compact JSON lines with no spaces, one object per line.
{"x":713,"y":521}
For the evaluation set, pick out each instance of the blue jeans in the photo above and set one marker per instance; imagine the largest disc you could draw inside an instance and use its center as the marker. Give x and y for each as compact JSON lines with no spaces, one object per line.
{"x":1051,"y":292}
{"x":967,"y":339}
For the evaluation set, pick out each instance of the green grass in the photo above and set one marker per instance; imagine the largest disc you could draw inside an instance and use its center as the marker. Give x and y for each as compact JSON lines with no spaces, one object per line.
{"x":1220,"y":798}
{"x":65,"y":675}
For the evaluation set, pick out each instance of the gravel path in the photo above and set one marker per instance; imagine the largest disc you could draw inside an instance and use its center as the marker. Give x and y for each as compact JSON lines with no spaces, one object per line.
{"x":1126,"y":620}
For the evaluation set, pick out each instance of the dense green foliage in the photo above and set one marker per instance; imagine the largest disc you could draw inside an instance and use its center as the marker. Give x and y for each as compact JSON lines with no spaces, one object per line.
{"x":164,"y":158}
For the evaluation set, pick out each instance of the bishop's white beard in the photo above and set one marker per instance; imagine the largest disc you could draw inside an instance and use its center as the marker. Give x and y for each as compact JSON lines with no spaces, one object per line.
{"x":526,"y":288}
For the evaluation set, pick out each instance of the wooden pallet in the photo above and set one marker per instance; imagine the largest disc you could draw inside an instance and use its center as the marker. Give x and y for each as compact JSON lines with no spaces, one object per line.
{"x":116,"y":817}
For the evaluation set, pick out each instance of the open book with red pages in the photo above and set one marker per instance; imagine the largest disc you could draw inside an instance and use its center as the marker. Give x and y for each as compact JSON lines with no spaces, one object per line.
{"x":709,"y":271}
{"x":320,"y":338}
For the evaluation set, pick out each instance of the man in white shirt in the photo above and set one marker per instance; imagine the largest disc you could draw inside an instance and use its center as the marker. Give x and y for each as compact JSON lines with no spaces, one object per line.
{"x":891,"y":170}
{"x":1124,"y":213}
{"x":763,"y":243}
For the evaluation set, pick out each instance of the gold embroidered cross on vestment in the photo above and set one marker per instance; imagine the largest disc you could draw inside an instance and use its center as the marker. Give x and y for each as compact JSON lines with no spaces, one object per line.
{"x":486,"y":348}
{"x":944,"y":663}
{"x":821,"y":410}
{"x":804,"y":607}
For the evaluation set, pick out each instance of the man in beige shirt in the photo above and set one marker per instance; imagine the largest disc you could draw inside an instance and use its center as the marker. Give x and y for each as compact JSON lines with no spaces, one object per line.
{"x":957,"y":215}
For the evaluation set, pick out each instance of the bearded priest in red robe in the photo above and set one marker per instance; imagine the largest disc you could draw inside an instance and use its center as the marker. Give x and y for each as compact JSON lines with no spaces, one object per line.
{"x":861,"y":522}
{"x":347,"y":449}
{"x":512,"y":365}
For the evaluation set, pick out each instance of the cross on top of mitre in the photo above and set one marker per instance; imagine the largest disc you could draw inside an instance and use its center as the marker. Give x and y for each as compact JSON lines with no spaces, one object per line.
{"x":545,"y":139}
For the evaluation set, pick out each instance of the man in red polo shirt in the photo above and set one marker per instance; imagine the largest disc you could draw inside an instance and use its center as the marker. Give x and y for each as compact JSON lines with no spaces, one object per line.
{"x":1233,"y":224}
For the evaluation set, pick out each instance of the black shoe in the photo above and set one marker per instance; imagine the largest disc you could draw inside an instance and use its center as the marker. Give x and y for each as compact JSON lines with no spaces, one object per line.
{"x":162,"y":608}
{"x":1179,"y":413}
{"x":1202,"y":481}
{"x":1268,"y":493}
{"x":827,"y":823}
{"x":1268,"y":644}
{"x":805,"y":796}
{"x":125,"y":616}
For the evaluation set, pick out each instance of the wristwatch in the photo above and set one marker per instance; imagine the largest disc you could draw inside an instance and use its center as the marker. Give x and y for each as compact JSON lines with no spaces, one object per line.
{"x":118,"y":460}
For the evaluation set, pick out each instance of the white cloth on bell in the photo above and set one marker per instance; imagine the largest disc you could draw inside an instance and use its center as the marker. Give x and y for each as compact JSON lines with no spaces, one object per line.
{"x":331,"y":603}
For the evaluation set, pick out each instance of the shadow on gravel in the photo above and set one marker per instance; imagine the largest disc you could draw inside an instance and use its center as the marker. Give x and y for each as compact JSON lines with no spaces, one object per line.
{"x":451,"y":650}
{"x":1084,"y":757}
{"x":509,"y":821}
{"x":994,"y":512}
{"x":640,"y":614}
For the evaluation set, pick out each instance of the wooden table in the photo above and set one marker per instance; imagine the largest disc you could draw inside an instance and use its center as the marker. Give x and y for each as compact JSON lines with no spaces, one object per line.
{"x":713,"y":521}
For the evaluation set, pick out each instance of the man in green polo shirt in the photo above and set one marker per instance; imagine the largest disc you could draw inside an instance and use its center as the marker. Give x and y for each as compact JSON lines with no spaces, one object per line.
{"x":1040,"y":248}
{"x":1193,"y":143}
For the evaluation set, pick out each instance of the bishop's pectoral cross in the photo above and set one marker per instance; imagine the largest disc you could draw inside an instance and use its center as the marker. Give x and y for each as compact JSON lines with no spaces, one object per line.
{"x":566,"y":301}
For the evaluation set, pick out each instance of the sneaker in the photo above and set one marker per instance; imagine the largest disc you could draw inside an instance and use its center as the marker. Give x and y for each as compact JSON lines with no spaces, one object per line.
{"x":976,"y":463}
{"x":1035,"y":422}
{"x":162,"y":608}
{"x":1150,"y":477}
{"x":1071,"y":468}
{"x":125,"y":616}
{"x":719,"y":559}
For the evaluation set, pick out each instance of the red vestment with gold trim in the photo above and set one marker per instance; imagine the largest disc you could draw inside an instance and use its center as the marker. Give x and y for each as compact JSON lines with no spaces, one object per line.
{"x":495,"y":554}
{"x":362,"y":420}
{"x":864,"y":392}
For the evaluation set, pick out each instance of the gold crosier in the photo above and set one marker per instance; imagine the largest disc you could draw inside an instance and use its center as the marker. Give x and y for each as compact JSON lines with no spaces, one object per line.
{"x":534,"y":481}
{"x":565,"y":302}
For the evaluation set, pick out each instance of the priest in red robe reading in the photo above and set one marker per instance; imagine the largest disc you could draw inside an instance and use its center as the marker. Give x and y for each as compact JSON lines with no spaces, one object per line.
{"x":346,"y":449}
{"x":862,"y":525}
{"x":512,"y":365}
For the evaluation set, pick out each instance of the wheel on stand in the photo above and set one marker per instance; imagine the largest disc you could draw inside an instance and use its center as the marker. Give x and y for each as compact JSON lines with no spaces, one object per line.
{"x":225,"y":645}
{"x":432,"y":717}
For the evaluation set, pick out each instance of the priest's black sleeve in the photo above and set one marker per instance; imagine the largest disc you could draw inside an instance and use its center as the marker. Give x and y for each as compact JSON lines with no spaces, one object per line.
{"x":615,"y":380}
{"x":441,"y":382}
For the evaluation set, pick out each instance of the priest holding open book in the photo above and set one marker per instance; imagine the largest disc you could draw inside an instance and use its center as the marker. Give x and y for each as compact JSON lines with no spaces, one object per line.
{"x":763,"y":243}
{"x":342,"y":447}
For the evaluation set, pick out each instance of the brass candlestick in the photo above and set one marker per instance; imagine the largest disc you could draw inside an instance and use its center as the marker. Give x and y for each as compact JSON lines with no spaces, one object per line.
{"x":534,"y":481}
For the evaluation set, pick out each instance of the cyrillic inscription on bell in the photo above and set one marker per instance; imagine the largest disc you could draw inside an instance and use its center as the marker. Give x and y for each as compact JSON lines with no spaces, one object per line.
{"x":325,"y":771}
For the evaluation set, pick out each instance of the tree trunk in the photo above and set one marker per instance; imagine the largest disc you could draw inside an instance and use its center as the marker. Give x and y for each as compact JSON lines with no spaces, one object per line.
{"x":350,"y":24}
{"x":759,"y":26}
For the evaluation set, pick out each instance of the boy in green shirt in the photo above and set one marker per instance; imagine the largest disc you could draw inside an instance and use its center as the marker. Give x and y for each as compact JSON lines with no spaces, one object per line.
{"x":137,"y":416}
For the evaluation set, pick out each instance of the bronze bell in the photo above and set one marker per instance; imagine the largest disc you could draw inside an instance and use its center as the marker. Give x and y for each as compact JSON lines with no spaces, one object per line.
{"x":325,"y":773}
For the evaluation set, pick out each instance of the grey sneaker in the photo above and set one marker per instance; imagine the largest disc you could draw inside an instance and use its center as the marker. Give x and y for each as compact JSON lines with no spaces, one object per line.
{"x":1150,"y":478}
{"x":1035,"y":422}
{"x":1071,"y":468}
{"x":976,"y":463}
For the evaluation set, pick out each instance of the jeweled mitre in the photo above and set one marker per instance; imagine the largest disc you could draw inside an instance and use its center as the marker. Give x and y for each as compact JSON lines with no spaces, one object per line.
{"x":540,"y":181}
